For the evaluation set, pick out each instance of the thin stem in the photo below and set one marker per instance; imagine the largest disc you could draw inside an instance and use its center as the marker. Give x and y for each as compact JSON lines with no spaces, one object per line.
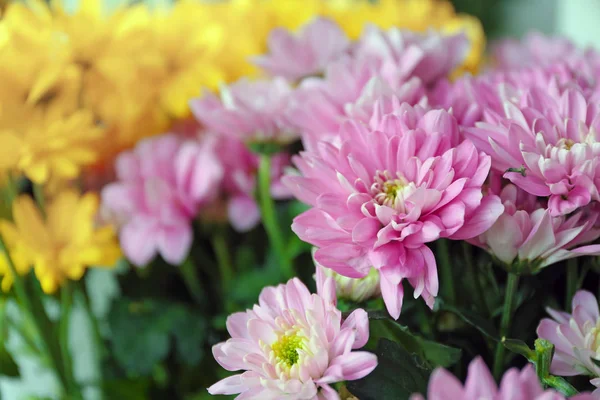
{"x":572,"y":278}
{"x":11,"y":189}
{"x":66,"y":303}
{"x":29,"y":313}
{"x":474,"y":273}
{"x":269,"y":218}
{"x":507,"y":310}
{"x":219,"y":243}
{"x":99,"y":347}
{"x":446,"y":279}
{"x":191,"y":280}
{"x":38,"y":195}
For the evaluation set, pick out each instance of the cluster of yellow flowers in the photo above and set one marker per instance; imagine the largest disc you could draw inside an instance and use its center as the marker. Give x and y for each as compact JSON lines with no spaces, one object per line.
{"x":79,"y":86}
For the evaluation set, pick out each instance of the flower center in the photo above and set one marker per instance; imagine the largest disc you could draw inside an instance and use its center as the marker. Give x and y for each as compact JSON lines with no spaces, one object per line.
{"x":565,"y":144}
{"x":391,"y":190}
{"x":595,"y":333}
{"x":286,"y":349}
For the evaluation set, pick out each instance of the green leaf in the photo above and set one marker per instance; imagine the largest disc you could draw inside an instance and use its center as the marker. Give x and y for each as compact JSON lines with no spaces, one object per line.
{"x":131,"y":389}
{"x":520,"y":347}
{"x":141,"y":333}
{"x":398,"y":375}
{"x":8,"y":367}
{"x":187,"y":332}
{"x":483,"y":325}
{"x":381,"y":326}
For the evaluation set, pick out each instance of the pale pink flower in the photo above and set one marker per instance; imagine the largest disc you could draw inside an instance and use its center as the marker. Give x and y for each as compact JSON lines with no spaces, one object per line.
{"x":382,"y":62}
{"x":402,"y":54}
{"x":575,"y":338}
{"x":388,"y":189}
{"x":550,"y":144}
{"x":354,"y":289}
{"x":537,"y":49}
{"x":294,"y":56}
{"x":515,"y":385}
{"x":238,"y":185}
{"x":292,"y":345}
{"x":253,"y":111}
{"x":350,"y":89}
{"x":470,"y":97}
{"x":160,"y":186}
{"x":526,"y":237}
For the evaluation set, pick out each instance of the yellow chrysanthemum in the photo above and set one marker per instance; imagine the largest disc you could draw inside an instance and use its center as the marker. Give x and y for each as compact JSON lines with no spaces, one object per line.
{"x":64,"y":244}
{"x":96,"y":82}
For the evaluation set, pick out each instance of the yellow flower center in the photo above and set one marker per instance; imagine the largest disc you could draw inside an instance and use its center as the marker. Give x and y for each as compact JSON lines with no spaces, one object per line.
{"x":566,"y":144}
{"x":595,"y":333}
{"x":391,"y":191}
{"x":286,"y":349}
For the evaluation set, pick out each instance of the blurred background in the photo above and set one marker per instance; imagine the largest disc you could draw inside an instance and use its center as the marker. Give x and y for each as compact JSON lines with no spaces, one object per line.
{"x":577,"y":20}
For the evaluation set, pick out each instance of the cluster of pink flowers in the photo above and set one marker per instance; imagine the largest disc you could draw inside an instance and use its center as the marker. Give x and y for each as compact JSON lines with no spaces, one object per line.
{"x":167,"y":181}
{"x":396,"y":156}
{"x":515,"y":385}
{"x":576,"y":338}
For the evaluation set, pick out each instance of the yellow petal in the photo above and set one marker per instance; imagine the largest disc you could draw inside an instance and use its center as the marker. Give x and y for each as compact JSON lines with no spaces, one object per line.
{"x":10,"y":150}
{"x":30,"y":224}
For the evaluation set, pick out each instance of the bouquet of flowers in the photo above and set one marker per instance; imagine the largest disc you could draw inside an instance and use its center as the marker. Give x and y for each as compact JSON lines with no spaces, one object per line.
{"x":232,"y":198}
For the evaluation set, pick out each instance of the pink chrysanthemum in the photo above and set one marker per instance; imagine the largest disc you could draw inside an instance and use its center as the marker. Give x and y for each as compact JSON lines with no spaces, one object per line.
{"x":161,"y":185}
{"x":472,"y":99}
{"x":536,"y":49}
{"x":402,"y":54}
{"x":548,"y":145}
{"x":238,"y":187}
{"x":353,"y":289}
{"x":515,"y":385}
{"x":387,"y":190}
{"x":394,"y":62}
{"x":575,"y":337}
{"x":253,"y":111}
{"x":320,"y":106}
{"x":296,"y":56}
{"x":292,"y":345}
{"x":526,"y":237}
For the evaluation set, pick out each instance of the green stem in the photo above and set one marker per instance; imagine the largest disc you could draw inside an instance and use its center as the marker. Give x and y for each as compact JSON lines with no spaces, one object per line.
{"x":99,"y":347}
{"x":11,"y":189}
{"x":269,"y":219}
{"x":38,"y":195}
{"x":560,"y":385}
{"x":507,"y":310}
{"x":219,"y":243}
{"x":191,"y":280}
{"x":474,"y":273}
{"x":66,"y":303}
{"x":445,"y":269}
{"x":29,"y":313}
{"x":572,"y":278}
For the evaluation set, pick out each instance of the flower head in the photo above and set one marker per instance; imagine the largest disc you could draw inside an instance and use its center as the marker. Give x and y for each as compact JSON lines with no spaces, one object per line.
{"x":161,"y":185}
{"x":236,"y":200}
{"x":389,"y":188}
{"x":253,"y":111}
{"x":515,"y":385}
{"x":536,"y":49}
{"x":575,"y":337}
{"x":307,"y":53}
{"x":354,"y":289}
{"x":547,"y":145}
{"x":64,"y":244}
{"x":526,"y":237}
{"x":293,"y":344}
{"x":402,"y":54}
